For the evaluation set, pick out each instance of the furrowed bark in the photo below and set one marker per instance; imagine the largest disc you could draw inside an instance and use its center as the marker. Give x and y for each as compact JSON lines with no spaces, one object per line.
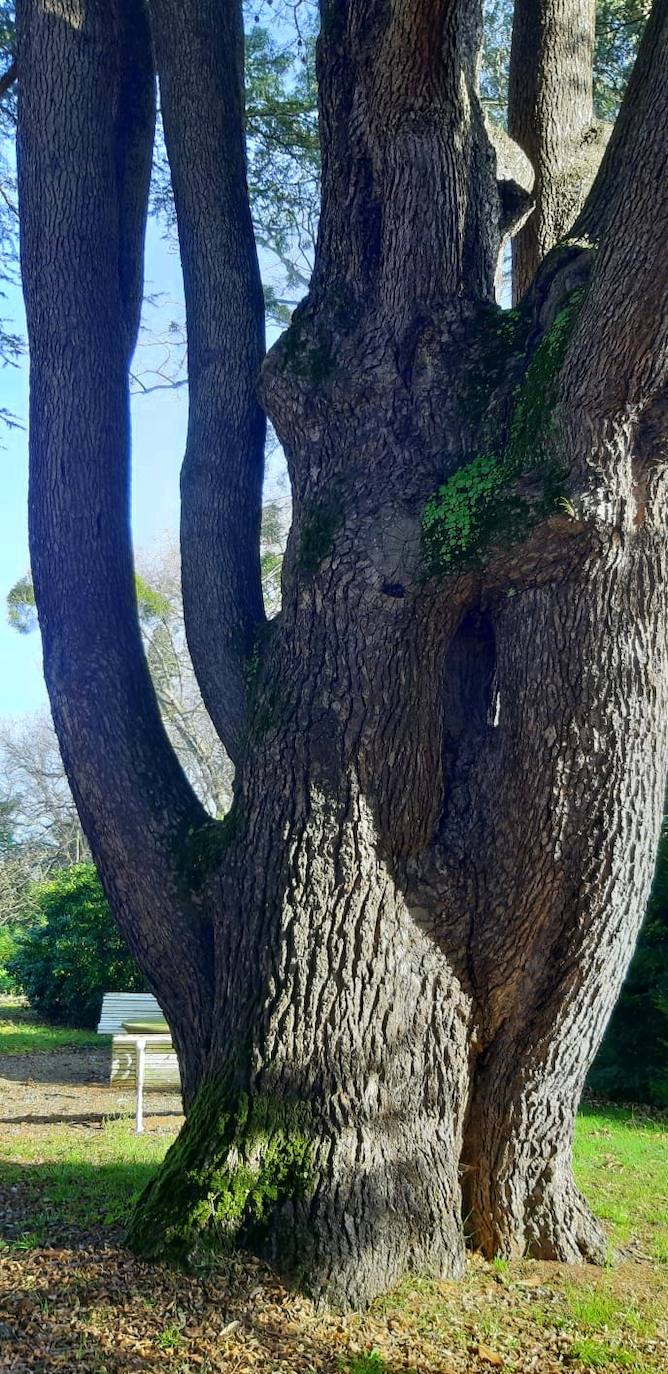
{"x":410,"y":208}
{"x":199,"y":49}
{"x":551,"y":117}
{"x":428,"y":888}
{"x":444,"y":899}
{"x":85,"y":137}
{"x":340,"y":1063}
{"x":610,"y":737}
{"x":328,"y":1135}
{"x":581,"y":678}
{"x":619,"y":358}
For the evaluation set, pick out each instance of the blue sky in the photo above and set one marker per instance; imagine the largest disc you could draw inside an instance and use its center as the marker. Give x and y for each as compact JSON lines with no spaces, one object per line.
{"x":159,"y":428}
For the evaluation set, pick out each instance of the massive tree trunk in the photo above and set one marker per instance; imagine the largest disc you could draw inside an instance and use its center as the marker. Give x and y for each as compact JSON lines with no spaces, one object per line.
{"x":450,"y":780}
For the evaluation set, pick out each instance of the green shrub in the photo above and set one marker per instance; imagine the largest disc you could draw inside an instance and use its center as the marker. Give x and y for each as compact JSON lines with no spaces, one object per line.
{"x":72,"y":953}
{"x":7,"y":951}
{"x":632,"y":1063}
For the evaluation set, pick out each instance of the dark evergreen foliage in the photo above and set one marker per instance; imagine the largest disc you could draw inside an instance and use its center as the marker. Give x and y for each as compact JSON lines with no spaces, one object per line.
{"x":632,"y":1064}
{"x":73,"y":952}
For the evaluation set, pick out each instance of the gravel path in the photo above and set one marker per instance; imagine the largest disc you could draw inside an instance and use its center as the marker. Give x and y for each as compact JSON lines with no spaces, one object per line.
{"x":70,"y":1086}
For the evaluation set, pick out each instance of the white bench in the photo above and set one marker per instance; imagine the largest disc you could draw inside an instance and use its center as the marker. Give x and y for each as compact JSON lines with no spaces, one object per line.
{"x":118,"y":1007}
{"x":145,"y":1061}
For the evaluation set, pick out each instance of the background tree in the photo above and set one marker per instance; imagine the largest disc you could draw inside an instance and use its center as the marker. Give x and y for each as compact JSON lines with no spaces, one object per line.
{"x":45,"y":817}
{"x":391,"y":965}
{"x":40,"y":832}
{"x":13,"y":883}
{"x":619,"y":24}
{"x":46,"y":828}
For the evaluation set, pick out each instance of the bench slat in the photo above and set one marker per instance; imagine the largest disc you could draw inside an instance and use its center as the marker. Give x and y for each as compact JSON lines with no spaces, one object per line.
{"x":118,"y":1007}
{"x":161,"y":1073}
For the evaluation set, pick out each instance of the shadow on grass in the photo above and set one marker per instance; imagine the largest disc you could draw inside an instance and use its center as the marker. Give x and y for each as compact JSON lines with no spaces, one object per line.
{"x":89,"y":1118}
{"x":45,"y":1204}
{"x":75,"y":1298}
{"x":74,"y":1065}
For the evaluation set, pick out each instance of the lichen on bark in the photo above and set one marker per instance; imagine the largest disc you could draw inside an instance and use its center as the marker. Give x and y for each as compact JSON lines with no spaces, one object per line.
{"x":239,"y":1158}
{"x":480,"y":505}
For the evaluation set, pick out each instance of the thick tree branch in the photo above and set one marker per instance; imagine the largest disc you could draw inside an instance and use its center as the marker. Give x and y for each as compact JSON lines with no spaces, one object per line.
{"x":199,"y":49}
{"x":409,"y":202}
{"x":626,"y":149}
{"x":619,"y":356}
{"x":133,"y":148}
{"x":550,"y":115}
{"x":86,"y":128}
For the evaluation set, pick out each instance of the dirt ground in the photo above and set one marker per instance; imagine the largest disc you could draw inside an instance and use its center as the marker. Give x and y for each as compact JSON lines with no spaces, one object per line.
{"x":71,"y":1087}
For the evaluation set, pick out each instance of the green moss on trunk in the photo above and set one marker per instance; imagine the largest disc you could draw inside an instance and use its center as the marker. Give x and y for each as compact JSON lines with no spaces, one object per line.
{"x":478,"y":506}
{"x":237,"y":1163}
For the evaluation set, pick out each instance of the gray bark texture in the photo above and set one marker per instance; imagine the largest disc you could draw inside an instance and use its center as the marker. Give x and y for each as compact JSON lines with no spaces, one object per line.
{"x":199,"y":53}
{"x":389,"y":969}
{"x":551,"y":117}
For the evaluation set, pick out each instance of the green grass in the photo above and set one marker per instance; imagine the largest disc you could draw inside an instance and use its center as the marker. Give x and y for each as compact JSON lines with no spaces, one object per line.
{"x":604,"y":1355}
{"x":597,"y":1309}
{"x":373,"y":1363}
{"x":22,"y":1033}
{"x":171,"y":1338}
{"x":79,"y":1178}
{"x":621,"y":1165}
{"x":72,"y":1176}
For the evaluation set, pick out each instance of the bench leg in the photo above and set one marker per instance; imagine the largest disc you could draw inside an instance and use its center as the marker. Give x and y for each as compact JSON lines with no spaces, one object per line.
{"x":141,"y":1061}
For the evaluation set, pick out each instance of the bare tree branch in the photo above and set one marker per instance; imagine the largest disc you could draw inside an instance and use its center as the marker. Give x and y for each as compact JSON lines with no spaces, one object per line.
{"x":167,"y":385}
{"x":8,"y":78}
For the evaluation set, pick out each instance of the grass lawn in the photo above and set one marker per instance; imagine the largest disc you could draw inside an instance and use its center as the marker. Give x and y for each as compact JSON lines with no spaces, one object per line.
{"x":621,"y":1163}
{"x":21,"y":1032}
{"x":104,"y":1312}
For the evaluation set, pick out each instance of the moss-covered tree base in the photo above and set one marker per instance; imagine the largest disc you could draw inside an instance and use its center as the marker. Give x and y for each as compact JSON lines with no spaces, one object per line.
{"x":232,"y":1177}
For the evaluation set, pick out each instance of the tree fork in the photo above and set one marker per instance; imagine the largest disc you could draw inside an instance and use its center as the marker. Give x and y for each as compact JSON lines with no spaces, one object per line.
{"x":448,"y":877}
{"x":446,"y":802}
